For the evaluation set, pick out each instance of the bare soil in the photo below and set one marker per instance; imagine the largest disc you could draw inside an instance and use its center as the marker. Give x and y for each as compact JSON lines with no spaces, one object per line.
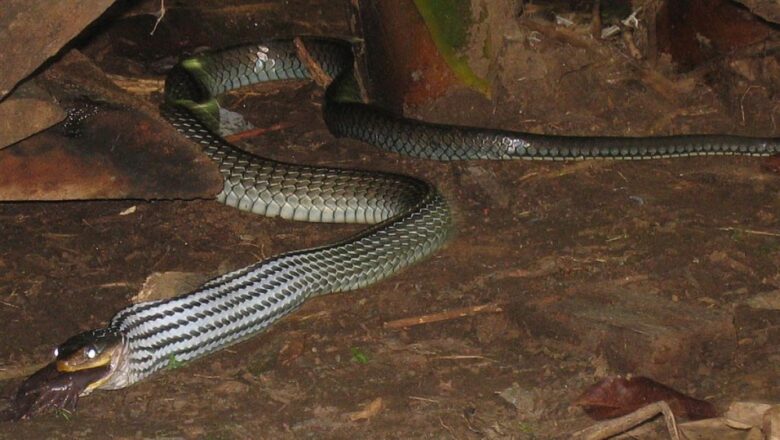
{"x":599,"y":268}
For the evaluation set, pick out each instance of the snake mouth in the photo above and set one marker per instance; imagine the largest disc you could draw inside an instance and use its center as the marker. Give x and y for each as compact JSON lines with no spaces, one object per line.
{"x":99,"y":372}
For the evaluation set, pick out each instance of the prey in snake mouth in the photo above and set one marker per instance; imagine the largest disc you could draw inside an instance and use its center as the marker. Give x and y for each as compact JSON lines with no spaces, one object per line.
{"x":82,"y":364}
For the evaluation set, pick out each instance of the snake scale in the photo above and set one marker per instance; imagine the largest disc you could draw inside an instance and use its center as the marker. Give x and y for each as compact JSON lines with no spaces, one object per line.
{"x":410,"y":217}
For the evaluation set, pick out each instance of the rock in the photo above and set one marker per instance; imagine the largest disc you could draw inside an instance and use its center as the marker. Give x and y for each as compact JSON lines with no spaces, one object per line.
{"x":528,"y":403}
{"x":163,"y":285}
{"x":638,"y":332}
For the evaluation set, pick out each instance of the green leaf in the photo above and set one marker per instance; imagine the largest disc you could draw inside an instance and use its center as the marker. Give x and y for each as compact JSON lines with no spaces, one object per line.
{"x":448,"y":22}
{"x":64,"y":413}
{"x":173,"y":363}
{"x":359,"y":356}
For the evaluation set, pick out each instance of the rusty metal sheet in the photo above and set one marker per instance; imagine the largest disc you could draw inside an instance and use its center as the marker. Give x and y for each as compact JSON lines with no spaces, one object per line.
{"x":111,"y":145}
{"x":26,"y":112}
{"x":769,"y":10}
{"x":31,"y":31}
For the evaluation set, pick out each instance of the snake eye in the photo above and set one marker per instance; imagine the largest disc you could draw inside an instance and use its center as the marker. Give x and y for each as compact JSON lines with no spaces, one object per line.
{"x":56,"y":352}
{"x":90,"y":352}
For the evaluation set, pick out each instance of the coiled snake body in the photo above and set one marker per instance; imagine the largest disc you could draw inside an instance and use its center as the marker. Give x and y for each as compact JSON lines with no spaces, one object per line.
{"x":411,"y":219}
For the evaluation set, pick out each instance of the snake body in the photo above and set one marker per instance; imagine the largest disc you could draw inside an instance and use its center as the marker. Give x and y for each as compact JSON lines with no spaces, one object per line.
{"x":410,"y":217}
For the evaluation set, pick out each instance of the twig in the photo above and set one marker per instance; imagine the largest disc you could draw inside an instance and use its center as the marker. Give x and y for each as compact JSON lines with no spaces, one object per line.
{"x":317,"y":74}
{"x":628,"y":39}
{"x":444,"y":316}
{"x":595,"y":22}
{"x":160,"y":14}
{"x":445,"y":426}
{"x":423,"y":399}
{"x":138,"y":86}
{"x":457,"y":357}
{"x":120,"y":284}
{"x":9,"y":304}
{"x":613,"y":427}
{"x":255,"y":132}
{"x":742,"y":102}
{"x":206,"y":376}
{"x":750,"y":231}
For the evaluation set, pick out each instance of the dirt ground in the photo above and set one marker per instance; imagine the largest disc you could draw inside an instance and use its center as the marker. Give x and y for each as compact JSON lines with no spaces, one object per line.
{"x":599,"y":268}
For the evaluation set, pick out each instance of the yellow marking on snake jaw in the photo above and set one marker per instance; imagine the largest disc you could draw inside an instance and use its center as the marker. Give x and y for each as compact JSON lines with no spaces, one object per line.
{"x":80,"y":361}
{"x":96,"y":384}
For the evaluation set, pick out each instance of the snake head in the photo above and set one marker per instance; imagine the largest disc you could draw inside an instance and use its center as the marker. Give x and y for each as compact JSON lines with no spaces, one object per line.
{"x":90,"y":350}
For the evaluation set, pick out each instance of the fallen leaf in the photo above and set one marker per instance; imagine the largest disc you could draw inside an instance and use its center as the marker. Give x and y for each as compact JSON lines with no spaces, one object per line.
{"x":369,"y":411}
{"x":742,"y":421}
{"x":527,"y":402}
{"x":617,"y":396}
{"x":765,"y":300}
{"x":292,"y":350}
{"x":771,"y":423}
{"x":232,"y":387}
{"x":745,"y":415}
{"x":712,"y":429}
{"x":128,"y":211}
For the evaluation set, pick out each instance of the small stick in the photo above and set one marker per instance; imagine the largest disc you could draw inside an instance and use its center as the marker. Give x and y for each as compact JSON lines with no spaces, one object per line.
{"x":457,"y":357}
{"x":5,"y":303}
{"x":595,"y":22}
{"x":137,"y":86}
{"x":317,"y":74}
{"x":444,"y":316}
{"x":255,"y":132}
{"x":160,"y":14}
{"x":628,"y":39}
{"x":423,"y":399}
{"x":750,"y":231}
{"x":613,"y":427}
{"x":114,"y":284}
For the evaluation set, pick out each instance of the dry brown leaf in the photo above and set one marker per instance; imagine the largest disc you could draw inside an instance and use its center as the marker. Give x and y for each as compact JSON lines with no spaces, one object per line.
{"x":369,"y":411}
{"x":617,"y":396}
{"x":771,"y":423}
{"x":745,"y":415}
{"x":292,"y":350}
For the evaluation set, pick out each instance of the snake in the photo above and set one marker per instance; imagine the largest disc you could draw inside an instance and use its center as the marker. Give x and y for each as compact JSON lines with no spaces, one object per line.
{"x":409,"y":218}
